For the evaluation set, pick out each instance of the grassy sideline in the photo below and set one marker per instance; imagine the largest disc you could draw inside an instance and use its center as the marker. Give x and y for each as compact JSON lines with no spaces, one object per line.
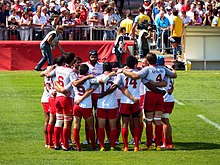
{"x":196,"y":142}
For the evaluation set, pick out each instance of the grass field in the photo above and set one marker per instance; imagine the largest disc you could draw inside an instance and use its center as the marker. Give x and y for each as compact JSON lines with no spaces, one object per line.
{"x":196,"y":141}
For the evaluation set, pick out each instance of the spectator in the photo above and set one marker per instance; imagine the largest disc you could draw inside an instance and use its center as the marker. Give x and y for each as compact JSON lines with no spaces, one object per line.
{"x":186,"y":6}
{"x":52,"y":10}
{"x":127,"y":23}
{"x":14,"y":14}
{"x":186,"y":19}
{"x":169,"y":13}
{"x":68,"y":24}
{"x":200,"y":9}
{"x":190,"y":13}
{"x":156,"y":10}
{"x":162,"y":23}
{"x":119,"y":46}
{"x":176,"y":33}
{"x":28,"y":5}
{"x":13,"y":29}
{"x":39,"y":22}
{"x":83,"y":13}
{"x":3,"y":21}
{"x":216,"y":20}
{"x":17,"y":7}
{"x":39,"y":3}
{"x":139,"y":19}
{"x":179,"y":5}
{"x":44,"y":13}
{"x":207,"y":18}
{"x":25,"y":24}
{"x":197,"y":20}
{"x":108,"y":23}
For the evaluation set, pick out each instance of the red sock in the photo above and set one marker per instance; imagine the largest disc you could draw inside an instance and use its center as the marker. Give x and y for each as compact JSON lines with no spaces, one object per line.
{"x":149,"y":133}
{"x":101,"y":136}
{"x":76,"y":138}
{"x":92,"y":137}
{"x":113,"y":136}
{"x":118,"y":126}
{"x":65,"y":137}
{"x":136,"y":136}
{"x":50,"y":134}
{"x":61,"y":135}
{"x":57,"y":136}
{"x":125,"y":136}
{"x":46,"y":134}
{"x":141,"y":130}
{"x":158,"y":133}
{"x":170,"y":140}
{"x":166,"y":141}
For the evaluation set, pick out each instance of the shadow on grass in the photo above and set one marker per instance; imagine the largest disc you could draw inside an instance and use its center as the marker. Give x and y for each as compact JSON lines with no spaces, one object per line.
{"x":195,"y":146}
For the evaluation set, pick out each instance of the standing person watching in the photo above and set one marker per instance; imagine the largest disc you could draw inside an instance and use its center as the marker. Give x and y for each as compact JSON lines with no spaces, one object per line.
{"x":47,"y":44}
{"x":176,"y":33}
{"x":119,"y":46}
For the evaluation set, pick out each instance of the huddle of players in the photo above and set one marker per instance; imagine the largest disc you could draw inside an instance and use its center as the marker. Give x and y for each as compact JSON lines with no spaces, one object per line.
{"x":74,"y":92}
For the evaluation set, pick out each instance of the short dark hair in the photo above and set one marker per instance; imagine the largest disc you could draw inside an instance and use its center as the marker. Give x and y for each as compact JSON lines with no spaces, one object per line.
{"x":141,"y":9}
{"x":69,"y":57}
{"x":151,"y":58}
{"x":131,"y":61}
{"x":77,"y":58}
{"x":107,"y":66}
{"x":83,"y":69}
{"x":175,"y":12}
{"x":59,"y":60}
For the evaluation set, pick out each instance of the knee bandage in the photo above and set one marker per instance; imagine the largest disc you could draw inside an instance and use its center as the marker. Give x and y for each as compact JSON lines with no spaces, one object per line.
{"x":166,"y":115}
{"x":157,"y":118}
{"x":67,"y":117}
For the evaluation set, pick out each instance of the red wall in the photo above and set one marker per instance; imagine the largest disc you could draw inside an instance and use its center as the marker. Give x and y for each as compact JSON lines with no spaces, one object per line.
{"x":24,"y":55}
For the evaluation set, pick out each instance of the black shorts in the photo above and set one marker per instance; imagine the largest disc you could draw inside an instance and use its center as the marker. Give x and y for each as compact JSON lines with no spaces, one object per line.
{"x":175,"y":40}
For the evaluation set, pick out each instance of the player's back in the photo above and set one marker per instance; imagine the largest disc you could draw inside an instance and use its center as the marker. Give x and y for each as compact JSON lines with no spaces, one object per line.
{"x":80,"y":91}
{"x":132,"y":85}
{"x":156,"y":74}
{"x":63,"y":76}
{"x":110,"y":100}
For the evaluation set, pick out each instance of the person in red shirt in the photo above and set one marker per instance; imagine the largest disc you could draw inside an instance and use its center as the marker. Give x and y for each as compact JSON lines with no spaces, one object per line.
{"x":186,"y":6}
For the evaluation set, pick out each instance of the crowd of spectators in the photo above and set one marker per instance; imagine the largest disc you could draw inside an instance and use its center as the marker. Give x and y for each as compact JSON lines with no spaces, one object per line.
{"x":35,"y":19}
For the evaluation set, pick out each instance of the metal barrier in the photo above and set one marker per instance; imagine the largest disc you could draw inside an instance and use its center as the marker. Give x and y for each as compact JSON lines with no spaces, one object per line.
{"x":163,"y":42}
{"x":70,"y":33}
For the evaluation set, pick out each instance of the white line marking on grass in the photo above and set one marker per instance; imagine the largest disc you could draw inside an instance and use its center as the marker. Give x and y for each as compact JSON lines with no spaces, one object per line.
{"x":178,"y":102}
{"x":209,"y":121}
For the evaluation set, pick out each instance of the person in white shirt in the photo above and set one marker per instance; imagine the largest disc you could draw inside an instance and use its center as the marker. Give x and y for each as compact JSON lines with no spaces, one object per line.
{"x":39,"y":22}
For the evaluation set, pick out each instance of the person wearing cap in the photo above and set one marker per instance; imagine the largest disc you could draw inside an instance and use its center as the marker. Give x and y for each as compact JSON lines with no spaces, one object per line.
{"x":216,"y":20}
{"x":47,"y":44}
{"x":52,"y":10}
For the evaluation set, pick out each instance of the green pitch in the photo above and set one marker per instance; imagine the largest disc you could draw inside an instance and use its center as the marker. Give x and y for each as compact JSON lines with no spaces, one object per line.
{"x":195,"y":140}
